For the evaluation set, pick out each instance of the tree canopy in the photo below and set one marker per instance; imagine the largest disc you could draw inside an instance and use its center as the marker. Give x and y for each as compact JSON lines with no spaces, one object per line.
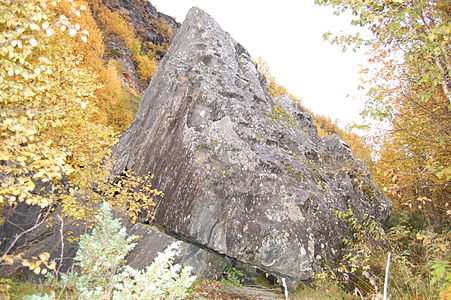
{"x":56,"y":128}
{"x":409,"y":88}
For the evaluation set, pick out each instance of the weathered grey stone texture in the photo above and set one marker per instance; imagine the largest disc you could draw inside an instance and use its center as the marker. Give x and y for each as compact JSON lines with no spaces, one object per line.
{"x":243,"y":174}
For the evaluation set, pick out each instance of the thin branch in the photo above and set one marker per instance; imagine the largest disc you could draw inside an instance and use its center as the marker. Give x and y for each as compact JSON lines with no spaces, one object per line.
{"x":18,"y":236}
{"x":62,"y":245}
{"x":386,"y":277}
{"x":445,"y":81}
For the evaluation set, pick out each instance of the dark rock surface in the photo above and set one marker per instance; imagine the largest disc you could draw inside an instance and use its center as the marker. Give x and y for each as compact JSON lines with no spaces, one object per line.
{"x":42,"y":236}
{"x":206,"y":264}
{"x":47,"y":238}
{"x":243,"y":174}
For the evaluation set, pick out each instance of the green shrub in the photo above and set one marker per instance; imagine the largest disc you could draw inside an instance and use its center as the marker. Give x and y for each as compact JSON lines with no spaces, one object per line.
{"x":102,"y":274}
{"x":233,"y":276}
{"x":419,"y":267}
{"x":161,"y":280}
{"x":101,"y":253}
{"x":38,"y":297}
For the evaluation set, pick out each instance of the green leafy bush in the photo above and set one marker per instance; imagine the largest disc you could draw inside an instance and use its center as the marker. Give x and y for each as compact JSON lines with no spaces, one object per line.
{"x":102,"y":274}
{"x":38,"y":297}
{"x":161,"y":280}
{"x":419,"y":267}
{"x":102,"y":251}
{"x":233,"y":276}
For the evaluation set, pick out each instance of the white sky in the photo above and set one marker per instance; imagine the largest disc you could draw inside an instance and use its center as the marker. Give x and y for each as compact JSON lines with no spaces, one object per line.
{"x":288,"y":35}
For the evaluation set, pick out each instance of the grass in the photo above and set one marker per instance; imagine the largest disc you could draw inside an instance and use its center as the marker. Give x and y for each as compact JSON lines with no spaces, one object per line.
{"x":18,"y":290}
{"x":324,"y":289}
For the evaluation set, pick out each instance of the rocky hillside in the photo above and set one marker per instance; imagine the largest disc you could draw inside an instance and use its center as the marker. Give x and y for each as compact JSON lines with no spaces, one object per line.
{"x":151,"y":29}
{"x":247,"y":180}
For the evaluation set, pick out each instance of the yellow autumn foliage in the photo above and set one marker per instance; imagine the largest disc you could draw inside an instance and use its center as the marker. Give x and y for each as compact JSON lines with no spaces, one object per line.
{"x":112,"y":100}
{"x":117,"y":24}
{"x":275,"y":90}
{"x":54,"y":139}
{"x":47,"y":114}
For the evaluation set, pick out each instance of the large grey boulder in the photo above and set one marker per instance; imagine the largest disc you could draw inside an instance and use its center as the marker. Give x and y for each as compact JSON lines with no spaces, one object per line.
{"x":244,"y":175}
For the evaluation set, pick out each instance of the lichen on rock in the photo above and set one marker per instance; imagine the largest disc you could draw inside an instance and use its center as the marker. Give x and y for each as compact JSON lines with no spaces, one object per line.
{"x":244,"y":174}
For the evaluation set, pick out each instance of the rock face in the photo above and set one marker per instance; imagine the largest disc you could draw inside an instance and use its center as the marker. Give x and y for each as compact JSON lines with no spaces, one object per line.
{"x":144,"y":18}
{"x":147,"y":24}
{"x":44,"y":238}
{"x":244,"y":175}
{"x":47,"y":238}
{"x":205,"y":263}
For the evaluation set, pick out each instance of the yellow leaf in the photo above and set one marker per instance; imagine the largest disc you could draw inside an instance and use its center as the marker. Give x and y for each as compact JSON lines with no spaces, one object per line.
{"x":51,"y":265}
{"x":26,"y":263}
{"x":30,"y":185}
{"x":34,"y":265}
{"x":9,"y":260}
{"x":33,"y":42}
{"x":4,"y":287}
{"x":49,"y":32}
{"x":44,"y":256}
